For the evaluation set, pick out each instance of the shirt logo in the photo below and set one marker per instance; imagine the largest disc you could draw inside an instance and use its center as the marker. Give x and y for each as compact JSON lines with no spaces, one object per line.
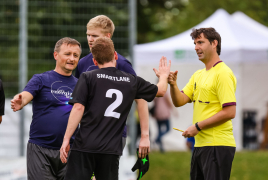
{"x":61,"y":92}
{"x":113,"y":78}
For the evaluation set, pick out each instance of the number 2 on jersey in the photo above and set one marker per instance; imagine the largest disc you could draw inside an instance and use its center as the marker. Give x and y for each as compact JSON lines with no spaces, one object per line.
{"x":119,"y":98}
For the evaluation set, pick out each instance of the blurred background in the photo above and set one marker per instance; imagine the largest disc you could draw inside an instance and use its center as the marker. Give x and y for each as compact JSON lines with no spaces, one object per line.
{"x":144,"y":31}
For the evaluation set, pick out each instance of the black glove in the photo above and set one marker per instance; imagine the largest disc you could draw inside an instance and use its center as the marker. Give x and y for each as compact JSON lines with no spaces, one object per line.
{"x":142,"y":165}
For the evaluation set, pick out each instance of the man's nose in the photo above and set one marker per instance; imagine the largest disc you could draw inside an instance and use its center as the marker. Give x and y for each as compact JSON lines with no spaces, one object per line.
{"x":196,"y":47}
{"x":72,"y":58}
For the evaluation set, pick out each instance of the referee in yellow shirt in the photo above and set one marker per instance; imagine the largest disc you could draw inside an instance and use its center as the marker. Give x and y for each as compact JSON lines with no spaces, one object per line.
{"x":212,"y":92}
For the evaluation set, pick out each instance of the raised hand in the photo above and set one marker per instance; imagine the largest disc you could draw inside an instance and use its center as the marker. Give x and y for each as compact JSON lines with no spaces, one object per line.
{"x":172,"y":78}
{"x":164,"y":68}
{"x":16,"y":103}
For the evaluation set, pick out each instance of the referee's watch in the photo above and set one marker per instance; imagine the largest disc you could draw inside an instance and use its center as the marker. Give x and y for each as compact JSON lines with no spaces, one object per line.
{"x":197,"y":127}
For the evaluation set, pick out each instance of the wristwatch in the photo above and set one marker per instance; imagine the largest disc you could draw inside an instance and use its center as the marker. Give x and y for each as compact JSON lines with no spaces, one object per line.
{"x":197,"y":127}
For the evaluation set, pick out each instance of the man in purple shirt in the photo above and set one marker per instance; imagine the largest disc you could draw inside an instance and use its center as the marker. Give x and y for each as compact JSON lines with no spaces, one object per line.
{"x":50,"y":93}
{"x":102,"y":26}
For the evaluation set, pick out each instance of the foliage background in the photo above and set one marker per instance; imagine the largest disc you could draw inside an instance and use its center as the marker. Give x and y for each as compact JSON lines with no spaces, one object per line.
{"x":160,"y":19}
{"x":51,"y":20}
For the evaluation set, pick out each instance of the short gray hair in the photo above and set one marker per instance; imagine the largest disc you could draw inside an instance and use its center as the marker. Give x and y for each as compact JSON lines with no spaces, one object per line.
{"x":66,"y":40}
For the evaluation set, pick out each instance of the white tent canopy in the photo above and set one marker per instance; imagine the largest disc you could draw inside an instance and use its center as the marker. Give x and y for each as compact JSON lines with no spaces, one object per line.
{"x":244,"y":20}
{"x":240,"y":43}
{"x":244,"y":48}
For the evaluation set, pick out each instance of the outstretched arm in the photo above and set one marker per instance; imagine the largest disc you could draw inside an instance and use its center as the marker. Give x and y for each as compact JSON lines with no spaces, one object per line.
{"x":74,"y":119}
{"x":20,"y":100}
{"x":162,"y":73}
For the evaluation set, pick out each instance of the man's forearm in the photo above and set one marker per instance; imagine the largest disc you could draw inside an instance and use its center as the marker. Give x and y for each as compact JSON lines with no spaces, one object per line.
{"x":142,"y":108}
{"x":144,"y":145}
{"x":176,"y":96}
{"x":74,"y":119}
{"x":26,"y":97}
{"x":162,"y":86}
{"x":20,"y":100}
{"x":221,"y":117}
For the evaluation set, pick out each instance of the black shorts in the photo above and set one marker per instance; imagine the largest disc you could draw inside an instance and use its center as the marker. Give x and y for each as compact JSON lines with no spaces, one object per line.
{"x":43,"y":163}
{"x":212,"y":162}
{"x":82,"y":165}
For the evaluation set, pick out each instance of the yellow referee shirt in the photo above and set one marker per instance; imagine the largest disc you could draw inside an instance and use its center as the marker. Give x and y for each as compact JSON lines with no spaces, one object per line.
{"x":210,"y":91}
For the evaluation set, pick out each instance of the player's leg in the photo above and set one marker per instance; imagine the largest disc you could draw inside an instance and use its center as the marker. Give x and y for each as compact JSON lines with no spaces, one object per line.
{"x":225,"y":155}
{"x":124,"y":141}
{"x":159,"y":124}
{"x":107,"y":166}
{"x":62,"y":168}
{"x":38,"y":163}
{"x":196,"y":169}
{"x":222,"y":162}
{"x":80,"y":165}
{"x":62,"y":171}
{"x":162,"y":128}
{"x":217,"y":161}
{"x":166,"y":125}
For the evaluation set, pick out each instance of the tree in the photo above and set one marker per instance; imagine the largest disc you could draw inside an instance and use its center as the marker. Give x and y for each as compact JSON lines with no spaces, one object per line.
{"x":161,"y":19}
{"x":48,"y":21}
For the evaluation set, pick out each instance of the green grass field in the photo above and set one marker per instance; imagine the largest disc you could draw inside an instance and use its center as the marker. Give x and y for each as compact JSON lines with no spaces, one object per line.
{"x":176,"y":166}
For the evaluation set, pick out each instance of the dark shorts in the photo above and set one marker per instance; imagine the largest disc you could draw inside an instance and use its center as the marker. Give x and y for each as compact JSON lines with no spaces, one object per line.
{"x":212,"y":162}
{"x":44,"y":164}
{"x":82,"y":165}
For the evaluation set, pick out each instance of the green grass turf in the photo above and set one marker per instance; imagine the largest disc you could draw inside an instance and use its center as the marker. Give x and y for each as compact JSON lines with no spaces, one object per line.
{"x":176,"y":166}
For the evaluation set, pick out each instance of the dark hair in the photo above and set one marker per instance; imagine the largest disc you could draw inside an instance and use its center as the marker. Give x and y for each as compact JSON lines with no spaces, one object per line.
{"x":66,"y":40}
{"x":210,"y":33}
{"x":103,"y":50}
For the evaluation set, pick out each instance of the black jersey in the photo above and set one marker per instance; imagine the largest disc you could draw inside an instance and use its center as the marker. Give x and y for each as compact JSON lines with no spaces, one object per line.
{"x":107,"y":95}
{"x":2,"y":99}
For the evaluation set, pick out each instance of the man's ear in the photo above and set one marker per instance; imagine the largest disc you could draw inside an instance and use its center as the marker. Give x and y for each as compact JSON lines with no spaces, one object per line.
{"x":95,"y":62}
{"x":215,"y":43}
{"x":115,"y":55}
{"x":55,"y":54}
{"x":109,"y":35}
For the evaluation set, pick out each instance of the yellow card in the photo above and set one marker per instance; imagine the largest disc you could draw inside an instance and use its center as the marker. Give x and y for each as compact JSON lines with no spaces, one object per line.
{"x":178,"y":130}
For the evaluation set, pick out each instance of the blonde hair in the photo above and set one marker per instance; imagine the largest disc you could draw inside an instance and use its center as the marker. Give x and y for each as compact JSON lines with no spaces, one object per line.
{"x":103,"y":50}
{"x":66,"y":40}
{"x":103,"y":22}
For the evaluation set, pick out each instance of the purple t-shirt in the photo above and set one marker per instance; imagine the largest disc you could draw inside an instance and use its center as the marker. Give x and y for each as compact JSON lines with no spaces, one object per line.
{"x":86,"y":64}
{"x":51,"y":92}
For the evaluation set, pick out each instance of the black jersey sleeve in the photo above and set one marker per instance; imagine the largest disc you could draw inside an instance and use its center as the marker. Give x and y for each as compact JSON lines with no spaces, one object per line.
{"x":145,"y":90}
{"x":81,"y":92}
{"x":2,"y":99}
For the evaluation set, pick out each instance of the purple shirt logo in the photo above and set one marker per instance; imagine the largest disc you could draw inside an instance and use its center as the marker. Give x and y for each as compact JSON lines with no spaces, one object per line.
{"x":61,"y":92}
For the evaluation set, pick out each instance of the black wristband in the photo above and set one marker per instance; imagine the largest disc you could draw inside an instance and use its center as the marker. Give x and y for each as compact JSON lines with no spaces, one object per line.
{"x":197,"y":127}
